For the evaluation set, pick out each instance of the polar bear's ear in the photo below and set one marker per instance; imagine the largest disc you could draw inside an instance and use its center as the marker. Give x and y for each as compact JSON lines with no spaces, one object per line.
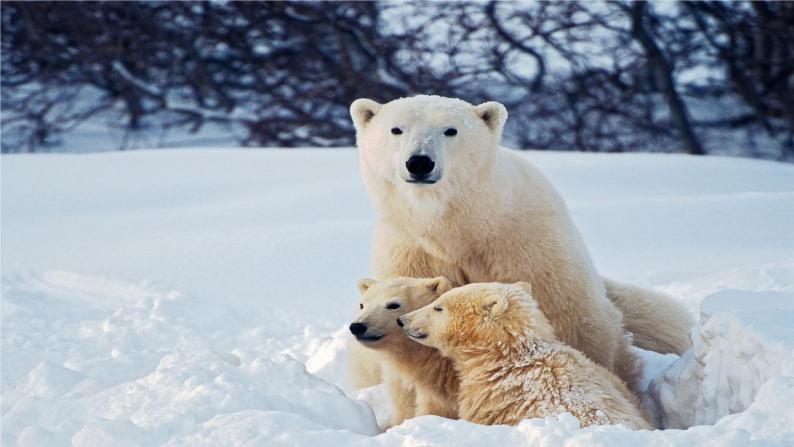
{"x":526,"y":286}
{"x":494,"y":305}
{"x":494,"y":115}
{"x":362,"y":111}
{"x":438,"y":285}
{"x":364,"y":284}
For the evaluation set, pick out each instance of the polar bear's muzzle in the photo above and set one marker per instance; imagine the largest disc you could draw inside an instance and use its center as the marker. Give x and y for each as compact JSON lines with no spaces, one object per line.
{"x":420,"y":169}
{"x":414,"y":333}
{"x":404,"y":323}
{"x":362,"y":334}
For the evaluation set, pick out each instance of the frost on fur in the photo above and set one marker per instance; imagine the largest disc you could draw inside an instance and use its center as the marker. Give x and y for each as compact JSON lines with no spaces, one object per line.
{"x":511,"y":365}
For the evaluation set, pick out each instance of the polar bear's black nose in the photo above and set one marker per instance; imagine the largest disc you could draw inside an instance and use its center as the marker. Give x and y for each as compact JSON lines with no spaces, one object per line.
{"x":358,"y":328}
{"x":400,"y":322}
{"x":420,"y":165}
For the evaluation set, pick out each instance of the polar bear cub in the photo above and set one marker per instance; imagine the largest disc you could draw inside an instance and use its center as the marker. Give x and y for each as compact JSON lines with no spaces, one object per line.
{"x":418,"y":379}
{"x":510,"y":364}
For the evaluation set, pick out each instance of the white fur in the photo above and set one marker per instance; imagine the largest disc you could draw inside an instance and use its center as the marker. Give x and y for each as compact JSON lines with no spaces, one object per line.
{"x":490,"y":217}
{"x":418,"y":379}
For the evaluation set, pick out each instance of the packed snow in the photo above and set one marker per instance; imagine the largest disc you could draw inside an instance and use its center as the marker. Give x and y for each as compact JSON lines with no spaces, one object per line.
{"x":200,"y":297}
{"x":743,"y":340}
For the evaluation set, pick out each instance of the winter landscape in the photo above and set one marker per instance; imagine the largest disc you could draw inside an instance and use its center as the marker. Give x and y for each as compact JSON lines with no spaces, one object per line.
{"x":184,"y":220}
{"x":201,"y":297}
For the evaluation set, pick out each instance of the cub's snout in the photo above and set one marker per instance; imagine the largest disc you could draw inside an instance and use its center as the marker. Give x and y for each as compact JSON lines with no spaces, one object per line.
{"x":410,"y":328}
{"x":363,"y":333}
{"x":358,"y":328}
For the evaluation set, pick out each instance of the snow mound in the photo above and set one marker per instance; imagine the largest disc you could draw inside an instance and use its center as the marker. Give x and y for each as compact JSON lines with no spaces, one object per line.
{"x":743,"y":339}
{"x":138,"y":374}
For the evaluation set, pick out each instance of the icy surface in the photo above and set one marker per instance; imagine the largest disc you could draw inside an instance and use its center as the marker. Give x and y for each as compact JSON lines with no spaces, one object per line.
{"x":199,"y":297}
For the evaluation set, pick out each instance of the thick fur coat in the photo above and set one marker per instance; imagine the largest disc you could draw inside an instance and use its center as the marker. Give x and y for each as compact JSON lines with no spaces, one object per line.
{"x":418,"y":379}
{"x":484,"y":214}
{"x":511,"y":365}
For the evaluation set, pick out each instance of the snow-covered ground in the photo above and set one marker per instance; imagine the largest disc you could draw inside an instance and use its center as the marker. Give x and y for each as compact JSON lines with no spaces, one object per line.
{"x":199,"y":297}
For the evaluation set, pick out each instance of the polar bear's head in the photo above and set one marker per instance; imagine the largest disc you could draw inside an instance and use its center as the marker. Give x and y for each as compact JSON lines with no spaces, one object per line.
{"x":478,"y":316}
{"x":382,"y":302}
{"x":426,"y":143}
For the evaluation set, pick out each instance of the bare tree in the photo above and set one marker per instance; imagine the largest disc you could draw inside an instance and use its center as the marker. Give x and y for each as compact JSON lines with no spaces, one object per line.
{"x":698,"y":77}
{"x":663,"y":75}
{"x":753,"y":45}
{"x":283,"y":73}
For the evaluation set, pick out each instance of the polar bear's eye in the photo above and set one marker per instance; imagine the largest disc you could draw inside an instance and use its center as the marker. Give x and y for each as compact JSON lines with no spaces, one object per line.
{"x":393,"y":306}
{"x":451,"y":132}
{"x":360,"y":305}
{"x":396,"y":131}
{"x":438,"y":309}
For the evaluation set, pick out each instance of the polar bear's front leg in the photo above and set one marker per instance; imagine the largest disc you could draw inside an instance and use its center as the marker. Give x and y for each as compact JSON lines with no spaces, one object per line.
{"x":429,"y":403}
{"x":403,"y":397}
{"x":363,"y":366}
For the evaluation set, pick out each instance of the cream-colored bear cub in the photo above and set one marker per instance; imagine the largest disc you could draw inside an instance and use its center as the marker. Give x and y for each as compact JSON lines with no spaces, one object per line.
{"x":418,"y":379}
{"x":510,"y":364}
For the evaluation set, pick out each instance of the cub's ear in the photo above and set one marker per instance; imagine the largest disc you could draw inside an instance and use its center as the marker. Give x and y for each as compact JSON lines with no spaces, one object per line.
{"x":494,"y":115}
{"x":494,"y":305}
{"x":526,"y":286}
{"x":438,"y":285}
{"x":364,"y":284}
{"x":362,"y":111}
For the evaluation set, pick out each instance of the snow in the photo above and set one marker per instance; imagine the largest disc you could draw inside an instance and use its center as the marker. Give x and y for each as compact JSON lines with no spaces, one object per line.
{"x":743,"y":340}
{"x":199,"y":297}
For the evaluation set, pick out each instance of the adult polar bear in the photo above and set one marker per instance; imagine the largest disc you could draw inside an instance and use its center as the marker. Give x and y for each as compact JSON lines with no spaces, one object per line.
{"x":451,"y":202}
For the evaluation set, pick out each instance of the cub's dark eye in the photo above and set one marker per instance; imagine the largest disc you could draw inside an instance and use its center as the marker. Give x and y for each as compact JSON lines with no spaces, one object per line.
{"x":360,"y":305}
{"x":396,"y":131}
{"x":437,"y":309}
{"x":393,"y":306}
{"x":451,"y":132}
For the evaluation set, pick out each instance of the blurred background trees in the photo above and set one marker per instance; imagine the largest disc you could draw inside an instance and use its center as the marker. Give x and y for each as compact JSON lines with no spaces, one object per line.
{"x":696,"y":77}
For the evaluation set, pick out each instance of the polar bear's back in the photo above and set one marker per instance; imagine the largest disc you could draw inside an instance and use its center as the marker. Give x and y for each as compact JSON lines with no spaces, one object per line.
{"x":550,"y":379}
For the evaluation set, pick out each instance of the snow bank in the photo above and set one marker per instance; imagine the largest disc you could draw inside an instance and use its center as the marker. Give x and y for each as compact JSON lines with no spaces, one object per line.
{"x":200,"y":298}
{"x":743,"y":339}
{"x":138,"y":374}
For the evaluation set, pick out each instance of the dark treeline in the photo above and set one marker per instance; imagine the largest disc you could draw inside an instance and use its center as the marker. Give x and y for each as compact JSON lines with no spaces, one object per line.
{"x":696,"y":77}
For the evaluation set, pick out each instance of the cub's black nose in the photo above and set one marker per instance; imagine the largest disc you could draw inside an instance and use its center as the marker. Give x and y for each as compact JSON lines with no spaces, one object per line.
{"x":400,"y":322}
{"x":358,"y":328}
{"x":420,"y":165}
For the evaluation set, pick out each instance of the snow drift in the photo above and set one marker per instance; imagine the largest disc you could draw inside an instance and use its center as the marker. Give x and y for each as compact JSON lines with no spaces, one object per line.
{"x":199,"y":298}
{"x":743,"y":340}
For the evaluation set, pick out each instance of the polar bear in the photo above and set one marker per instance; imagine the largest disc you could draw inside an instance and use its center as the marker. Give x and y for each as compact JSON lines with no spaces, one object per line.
{"x":510,"y":364}
{"x":451,"y":202}
{"x":418,"y":379}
